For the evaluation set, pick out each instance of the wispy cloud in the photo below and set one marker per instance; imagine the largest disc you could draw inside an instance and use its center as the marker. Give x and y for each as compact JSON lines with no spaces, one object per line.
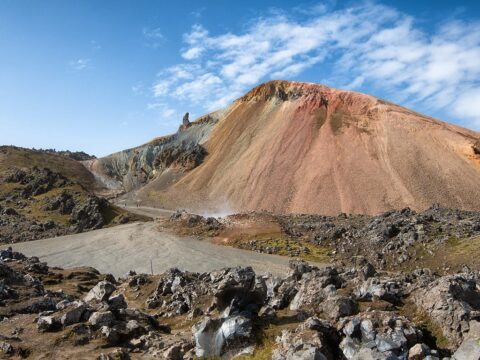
{"x":138,"y":88}
{"x":164,"y":111}
{"x":153,"y":37}
{"x":365,"y":47}
{"x":80,"y":64}
{"x":95,"y":45}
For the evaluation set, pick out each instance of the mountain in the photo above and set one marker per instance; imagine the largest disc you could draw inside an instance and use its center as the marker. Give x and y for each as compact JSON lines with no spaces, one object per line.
{"x":293,"y":147}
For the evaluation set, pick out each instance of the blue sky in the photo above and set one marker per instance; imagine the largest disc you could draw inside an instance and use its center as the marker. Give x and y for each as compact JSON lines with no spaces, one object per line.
{"x":101,"y":76}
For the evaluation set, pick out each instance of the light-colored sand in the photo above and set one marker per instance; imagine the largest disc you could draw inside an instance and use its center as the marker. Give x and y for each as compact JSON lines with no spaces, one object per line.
{"x":131,"y":247}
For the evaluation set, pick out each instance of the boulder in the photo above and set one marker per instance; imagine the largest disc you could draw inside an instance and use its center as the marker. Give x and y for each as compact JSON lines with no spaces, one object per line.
{"x":88,"y":215}
{"x":110,"y":334}
{"x":377,"y":336}
{"x":47,"y":324}
{"x":451,"y":302}
{"x":469,"y":349}
{"x":315,"y":287}
{"x":213,"y":335}
{"x":101,"y":318}
{"x":418,"y":352}
{"x":336,"y":307}
{"x":117,"y":302}
{"x":174,"y":352}
{"x":100,"y":292}
{"x":385,"y":288}
{"x":73,"y":314}
{"x":238,"y":287}
{"x":314,"y":339}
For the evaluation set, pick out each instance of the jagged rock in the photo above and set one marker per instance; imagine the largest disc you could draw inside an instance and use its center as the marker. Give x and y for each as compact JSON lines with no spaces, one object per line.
{"x":281,"y":292}
{"x":380,"y":288}
{"x":469,"y":349}
{"x":315,"y":287}
{"x":63,"y":202}
{"x":117,"y":302}
{"x":476,"y":147}
{"x":6,"y":348}
{"x":73,"y":314}
{"x":89,"y":214}
{"x":196,"y":312}
{"x":101,"y":318}
{"x":451,"y":302}
{"x":185,"y":156}
{"x":185,"y":120}
{"x":111,"y":335}
{"x":212,"y":335}
{"x":47,"y":323}
{"x":174,"y":352}
{"x":238,"y":287}
{"x":37,"y":267}
{"x":8,"y":253}
{"x":118,"y":354}
{"x":336,"y":307}
{"x":418,"y":352}
{"x":100,"y":292}
{"x":298,"y":268}
{"x":310,"y":341}
{"x":378,"y":337}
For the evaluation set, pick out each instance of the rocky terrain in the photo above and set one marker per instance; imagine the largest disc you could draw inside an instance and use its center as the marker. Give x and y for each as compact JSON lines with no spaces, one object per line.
{"x":291,"y":147}
{"x":37,"y":202}
{"x":438,"y":238}
{"x":338,"y":312}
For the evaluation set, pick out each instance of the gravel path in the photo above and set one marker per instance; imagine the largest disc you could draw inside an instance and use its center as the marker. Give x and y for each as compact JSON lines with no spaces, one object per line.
{"x":132,"y":246}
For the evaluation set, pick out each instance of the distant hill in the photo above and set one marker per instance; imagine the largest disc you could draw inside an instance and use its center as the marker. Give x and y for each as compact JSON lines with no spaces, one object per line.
{"x":44,"y":194}
{"x":74,"y":155}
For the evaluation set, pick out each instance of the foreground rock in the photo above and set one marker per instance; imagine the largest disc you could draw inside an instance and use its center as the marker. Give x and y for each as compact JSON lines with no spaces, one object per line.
{"x":311,"y":313}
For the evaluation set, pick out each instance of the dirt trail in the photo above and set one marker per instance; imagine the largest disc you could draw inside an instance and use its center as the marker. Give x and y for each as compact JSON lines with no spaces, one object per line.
{"x":131,"y":247}
{"x":150,"y":211}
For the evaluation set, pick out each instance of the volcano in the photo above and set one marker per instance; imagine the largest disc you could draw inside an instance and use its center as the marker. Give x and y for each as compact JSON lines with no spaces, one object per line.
{"x":292,"y":147}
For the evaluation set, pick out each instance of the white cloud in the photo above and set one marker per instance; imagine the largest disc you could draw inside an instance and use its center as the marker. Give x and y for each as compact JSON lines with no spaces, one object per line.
{"x":80,"y":64}
{"x":161,"y":88}
{"x":192,"y":53}
{"x":164,"y":111}
{"x":370,"y":46}
{"x":467,"y":106}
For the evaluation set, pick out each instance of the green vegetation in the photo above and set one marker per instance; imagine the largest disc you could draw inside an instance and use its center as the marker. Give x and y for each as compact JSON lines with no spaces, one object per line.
{"x":283,"y":245}
{"x":433,"y":334}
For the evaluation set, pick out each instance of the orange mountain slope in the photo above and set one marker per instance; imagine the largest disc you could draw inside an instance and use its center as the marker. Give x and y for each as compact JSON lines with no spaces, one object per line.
{"x":301,"y":147}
